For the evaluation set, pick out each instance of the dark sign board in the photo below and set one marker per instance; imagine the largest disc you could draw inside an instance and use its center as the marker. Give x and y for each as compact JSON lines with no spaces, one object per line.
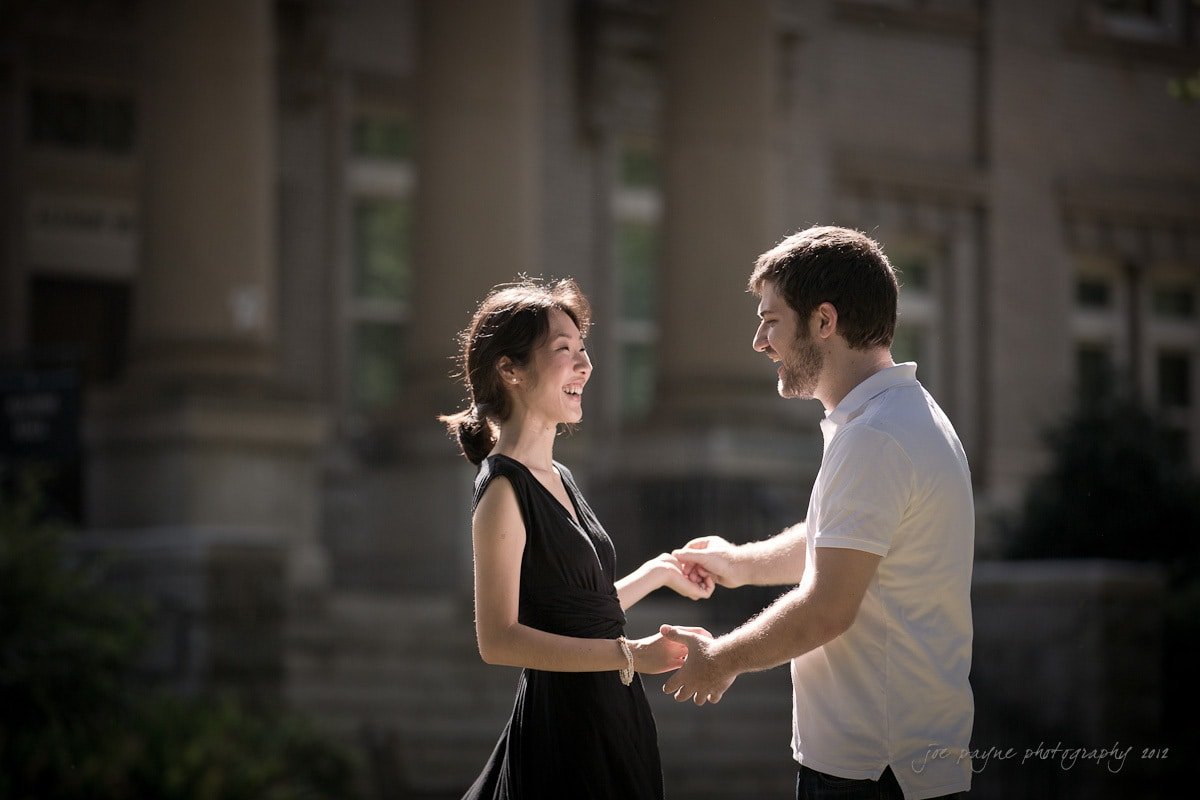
{"x":39,"y":413}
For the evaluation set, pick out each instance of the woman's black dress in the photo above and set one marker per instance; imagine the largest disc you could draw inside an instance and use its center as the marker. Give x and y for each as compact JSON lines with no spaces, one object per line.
{"x":572,"y":734}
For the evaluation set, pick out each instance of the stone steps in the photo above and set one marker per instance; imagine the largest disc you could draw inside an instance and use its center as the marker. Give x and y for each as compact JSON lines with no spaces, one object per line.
{"x":411,"y":668}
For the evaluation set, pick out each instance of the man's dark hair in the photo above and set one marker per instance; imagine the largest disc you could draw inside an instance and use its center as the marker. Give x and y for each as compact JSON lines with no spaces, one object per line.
{"x":840,"y":266}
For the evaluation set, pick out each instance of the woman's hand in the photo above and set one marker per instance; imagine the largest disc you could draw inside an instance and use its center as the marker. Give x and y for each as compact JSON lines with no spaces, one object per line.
{"x":657,"y":654}
{"x":693,"y":584}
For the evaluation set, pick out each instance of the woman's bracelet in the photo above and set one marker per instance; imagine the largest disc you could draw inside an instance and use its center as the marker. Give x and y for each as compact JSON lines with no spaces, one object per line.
{"x":626,"y":671}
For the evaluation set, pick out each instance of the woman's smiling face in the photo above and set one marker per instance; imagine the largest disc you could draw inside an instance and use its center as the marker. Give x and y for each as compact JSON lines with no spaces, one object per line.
{"x":558,"y":371}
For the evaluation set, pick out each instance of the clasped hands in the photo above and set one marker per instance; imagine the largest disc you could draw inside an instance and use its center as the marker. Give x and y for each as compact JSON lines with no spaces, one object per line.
{"x":703,"y":677}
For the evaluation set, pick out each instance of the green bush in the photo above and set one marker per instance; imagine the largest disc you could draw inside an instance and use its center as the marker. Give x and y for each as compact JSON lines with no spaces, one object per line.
{"x":76,"y":720}
{"x":1113,"y":489}
{"x":215,"y":749}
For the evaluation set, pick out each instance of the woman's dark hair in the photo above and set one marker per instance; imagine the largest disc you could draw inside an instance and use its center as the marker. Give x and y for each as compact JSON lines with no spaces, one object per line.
{"x":840,"y":266}
{"x":511,"y":321}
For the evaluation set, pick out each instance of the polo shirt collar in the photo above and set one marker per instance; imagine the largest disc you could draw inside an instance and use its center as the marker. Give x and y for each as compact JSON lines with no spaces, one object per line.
{"x":899,"y":375}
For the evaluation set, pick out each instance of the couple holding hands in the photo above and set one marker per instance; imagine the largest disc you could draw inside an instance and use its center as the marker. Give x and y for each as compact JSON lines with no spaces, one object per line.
{"x":877,"y":628}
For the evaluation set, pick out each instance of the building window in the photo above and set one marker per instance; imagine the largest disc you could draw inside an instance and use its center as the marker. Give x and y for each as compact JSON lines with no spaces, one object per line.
{"x":914,"y":273}
{"x":639,"y":167}
{"x":84,"y":321}
{"x":1149,"y":21}
{"x":1137,"y":9}
{"x":383,"y":138}
{"x":80,"y":120}
{"x":381,"y":183}
{"x":637,"y":256}
{"x":1173,"y":351}
{"x":1178,"y":444}
{"x":1100,"y":328}
{"x":1174,"y":302}
{"x":382,"y":249}
{"x":916,"y":328}
{"x":1093,"y":293}
{"x":1174,"y":377}
{"x":1174,"y":380}
{"x":908,"y":344}
{"x":637,"y":213}
{"x":1094,"y":369}
{"x":378,"y":356}
{"x":1139,"y":325}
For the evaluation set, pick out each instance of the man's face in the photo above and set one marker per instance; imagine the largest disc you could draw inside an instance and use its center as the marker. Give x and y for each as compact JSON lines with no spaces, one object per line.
{"x":782,"y":338}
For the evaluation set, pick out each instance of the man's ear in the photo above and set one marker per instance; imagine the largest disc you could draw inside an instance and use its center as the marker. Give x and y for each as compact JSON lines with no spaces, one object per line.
{"x":826,"y":316}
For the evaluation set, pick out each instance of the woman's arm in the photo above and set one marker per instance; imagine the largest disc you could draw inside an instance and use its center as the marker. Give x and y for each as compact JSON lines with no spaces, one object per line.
{"x":662,"y":570}
{"x":498,"y":536}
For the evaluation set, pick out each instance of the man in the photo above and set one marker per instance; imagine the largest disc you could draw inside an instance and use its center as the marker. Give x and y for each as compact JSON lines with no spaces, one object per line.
{"x":878,"y":627}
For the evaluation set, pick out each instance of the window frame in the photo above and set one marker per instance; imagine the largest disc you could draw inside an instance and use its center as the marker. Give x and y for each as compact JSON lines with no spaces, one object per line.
{"x":369,"y":179}
{"x":1158,"y":334}
{"x":1162,"y":27}
{"x":641,"y":204}
{"x":920,"y":308}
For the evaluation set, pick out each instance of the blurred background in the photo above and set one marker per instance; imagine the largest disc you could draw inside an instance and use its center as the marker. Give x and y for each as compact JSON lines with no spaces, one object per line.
{"x":240,"y":236}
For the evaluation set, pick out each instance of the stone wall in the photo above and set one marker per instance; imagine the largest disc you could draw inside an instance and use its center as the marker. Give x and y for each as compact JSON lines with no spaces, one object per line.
{"x":216,"y":601}
{"x":1068,"y":655}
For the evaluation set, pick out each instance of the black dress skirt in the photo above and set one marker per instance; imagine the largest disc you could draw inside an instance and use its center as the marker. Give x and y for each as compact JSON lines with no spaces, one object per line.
{"x":571,"y":734}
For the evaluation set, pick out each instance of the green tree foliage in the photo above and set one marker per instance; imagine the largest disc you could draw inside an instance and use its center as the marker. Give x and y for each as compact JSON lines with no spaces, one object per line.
{"x":77,"y":721}
{"x":1113,"y":489}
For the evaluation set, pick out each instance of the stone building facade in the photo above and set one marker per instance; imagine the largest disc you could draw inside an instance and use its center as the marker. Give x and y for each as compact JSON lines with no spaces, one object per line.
{"x":241,"y":236}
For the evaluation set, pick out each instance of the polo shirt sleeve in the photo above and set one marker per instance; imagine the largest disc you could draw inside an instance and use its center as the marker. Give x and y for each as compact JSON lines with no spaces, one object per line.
{"x":863,"y":489}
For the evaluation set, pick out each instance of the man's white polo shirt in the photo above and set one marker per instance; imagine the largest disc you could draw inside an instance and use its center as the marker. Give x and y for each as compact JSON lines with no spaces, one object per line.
{"x":893,"y":689}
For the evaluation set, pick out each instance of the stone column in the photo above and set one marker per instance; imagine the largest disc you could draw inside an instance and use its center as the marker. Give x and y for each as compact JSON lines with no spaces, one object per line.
{"x":722,"y":452}
{"x":200,"y":441}
{"x":717,"y":411}
{"x":206,"y":290}
{"x":1030,"y":278}
{"x":478,"y":204}
{"x":478,"y":218}
{"x":723,"y":203}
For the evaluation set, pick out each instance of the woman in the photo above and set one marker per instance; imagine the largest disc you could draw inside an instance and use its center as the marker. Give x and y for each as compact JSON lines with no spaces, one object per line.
{"x":546,"y":596}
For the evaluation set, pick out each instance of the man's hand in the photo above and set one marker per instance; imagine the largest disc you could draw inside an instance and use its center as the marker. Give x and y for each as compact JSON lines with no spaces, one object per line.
{"x":700,"y":677}
{"x":656,"y":653}
{"x":693,"y":584}
{"x":711,"y":557}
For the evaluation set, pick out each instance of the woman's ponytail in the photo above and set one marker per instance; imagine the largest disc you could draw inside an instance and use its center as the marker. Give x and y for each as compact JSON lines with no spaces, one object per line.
{"x":475,"y":433}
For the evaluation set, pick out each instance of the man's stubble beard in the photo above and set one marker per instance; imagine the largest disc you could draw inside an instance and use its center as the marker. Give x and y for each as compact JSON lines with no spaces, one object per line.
{"x":801,"y":369}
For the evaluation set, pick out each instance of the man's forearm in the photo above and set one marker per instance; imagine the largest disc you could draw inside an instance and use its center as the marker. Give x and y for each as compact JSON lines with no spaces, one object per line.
{"x":789,"y":627}
{"x":778,"y":561}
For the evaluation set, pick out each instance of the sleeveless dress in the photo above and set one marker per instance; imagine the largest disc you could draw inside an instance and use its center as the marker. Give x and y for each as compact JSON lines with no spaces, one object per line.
{"x":572,"y":734}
